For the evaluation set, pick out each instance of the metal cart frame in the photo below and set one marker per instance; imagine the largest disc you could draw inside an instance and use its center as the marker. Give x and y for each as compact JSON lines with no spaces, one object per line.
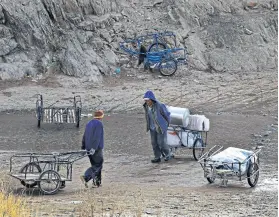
{"x":200,"y":141}
{"x":159,"y":55}
{"x":226,"y":171}
{"x":54,"y":114}
{"x":43,"y":170}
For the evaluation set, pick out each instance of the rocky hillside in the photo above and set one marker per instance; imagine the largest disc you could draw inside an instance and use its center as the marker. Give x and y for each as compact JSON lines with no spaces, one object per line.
{"x":80,"y":37}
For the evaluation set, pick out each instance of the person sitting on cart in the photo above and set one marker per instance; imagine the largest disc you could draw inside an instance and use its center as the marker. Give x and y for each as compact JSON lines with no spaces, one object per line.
{"x":93,"y":140}
{"x":157,"y":119}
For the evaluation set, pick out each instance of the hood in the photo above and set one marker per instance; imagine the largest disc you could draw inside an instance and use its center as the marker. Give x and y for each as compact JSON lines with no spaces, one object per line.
{"x":149,"y":94}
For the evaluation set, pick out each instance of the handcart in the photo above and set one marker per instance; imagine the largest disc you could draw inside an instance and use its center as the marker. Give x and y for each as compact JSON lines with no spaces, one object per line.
{"x":231,"y":163}
{"x":54,"y":114}
{"x":158,"y":55}
{"x":183,"y":138}
{"x":47,"y":171}
{"x":187,"y":131}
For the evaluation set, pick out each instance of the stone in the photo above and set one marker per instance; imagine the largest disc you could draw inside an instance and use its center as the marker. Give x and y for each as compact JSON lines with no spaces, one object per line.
{"x":111,"y":57}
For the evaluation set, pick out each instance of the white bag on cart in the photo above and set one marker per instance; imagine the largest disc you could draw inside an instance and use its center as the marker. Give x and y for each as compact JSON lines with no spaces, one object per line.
{"x":233,"y":155}
{"x":198,"y":123}
{"x":178,"y":138}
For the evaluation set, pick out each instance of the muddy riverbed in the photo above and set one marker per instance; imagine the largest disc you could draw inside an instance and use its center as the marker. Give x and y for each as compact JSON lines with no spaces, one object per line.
{"x":132,"y":186}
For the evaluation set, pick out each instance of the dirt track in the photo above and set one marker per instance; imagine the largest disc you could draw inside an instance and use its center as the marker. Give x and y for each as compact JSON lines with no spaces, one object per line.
{"x":239,"y":117}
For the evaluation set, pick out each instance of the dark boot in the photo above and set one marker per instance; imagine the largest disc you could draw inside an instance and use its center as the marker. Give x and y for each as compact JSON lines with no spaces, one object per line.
{"x":156,"y":160}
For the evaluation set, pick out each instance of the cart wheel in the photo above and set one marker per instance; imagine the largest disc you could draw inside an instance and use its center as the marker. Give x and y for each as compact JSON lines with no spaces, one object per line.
{"x":30,"y":168}
{"x":210,"y":180}
{"x":253,"y":174}
{"x":49,"y":182}
{"x":155,"y":47}
{"x":198,"y":149}
{"x":167,"y":67}
{"x":78,"y":117}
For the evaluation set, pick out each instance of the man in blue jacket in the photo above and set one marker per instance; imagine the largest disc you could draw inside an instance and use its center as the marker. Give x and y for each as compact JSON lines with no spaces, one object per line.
{"x":157,"y":120}
{"x":93,"y":140}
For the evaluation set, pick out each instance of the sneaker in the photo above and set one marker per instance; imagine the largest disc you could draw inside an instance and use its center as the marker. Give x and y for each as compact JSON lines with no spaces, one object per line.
{"x":156,"y":160}
{"x":83,"y":181}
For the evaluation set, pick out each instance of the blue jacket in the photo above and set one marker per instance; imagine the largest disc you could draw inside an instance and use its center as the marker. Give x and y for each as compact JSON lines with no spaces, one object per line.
{"x":93,"y":136}
{"x":162,"y":114}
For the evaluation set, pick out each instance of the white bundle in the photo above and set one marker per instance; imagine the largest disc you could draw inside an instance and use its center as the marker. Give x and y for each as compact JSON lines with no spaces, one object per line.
{"x":198,"y":123}
{"x":177,"y":138}
{"x":235,"y":156}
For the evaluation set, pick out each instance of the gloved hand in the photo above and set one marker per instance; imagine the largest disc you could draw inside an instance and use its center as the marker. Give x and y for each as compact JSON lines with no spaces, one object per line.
{"x":92,"y":151}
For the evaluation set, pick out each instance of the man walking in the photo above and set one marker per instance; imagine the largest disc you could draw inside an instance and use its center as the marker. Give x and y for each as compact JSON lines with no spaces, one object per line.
{"x":157,"y":119}
{"x":93,"y":140}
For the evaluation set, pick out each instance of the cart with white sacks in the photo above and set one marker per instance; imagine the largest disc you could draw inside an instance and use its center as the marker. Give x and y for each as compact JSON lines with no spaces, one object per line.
{"x":231,"y":163}
{"x":187,"y":131}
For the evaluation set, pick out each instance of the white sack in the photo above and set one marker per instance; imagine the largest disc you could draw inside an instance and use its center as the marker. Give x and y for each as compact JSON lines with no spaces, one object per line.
{"x":198,"y":123}
{"x":180,"y":138}
{"x":233,"y":155}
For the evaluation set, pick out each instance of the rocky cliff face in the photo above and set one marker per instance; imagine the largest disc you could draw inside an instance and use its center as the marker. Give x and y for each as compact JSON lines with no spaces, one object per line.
{"x":80,"y":37}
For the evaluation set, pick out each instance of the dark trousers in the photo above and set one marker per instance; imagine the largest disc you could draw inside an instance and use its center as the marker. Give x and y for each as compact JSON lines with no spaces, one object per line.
{"x":159,"y":145}
{"x":96,"y":161}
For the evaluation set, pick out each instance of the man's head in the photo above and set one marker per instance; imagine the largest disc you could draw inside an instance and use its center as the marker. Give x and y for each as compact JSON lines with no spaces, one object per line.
{"x":149,"y":98}
{"x":98,"y":115}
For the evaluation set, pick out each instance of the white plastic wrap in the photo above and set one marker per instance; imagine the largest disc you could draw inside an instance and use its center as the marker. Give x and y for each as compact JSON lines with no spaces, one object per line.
{"x":198,"y":123}
{"x":179,"y":116}
{"x":179,"y":137}
{"x":233,"y":155}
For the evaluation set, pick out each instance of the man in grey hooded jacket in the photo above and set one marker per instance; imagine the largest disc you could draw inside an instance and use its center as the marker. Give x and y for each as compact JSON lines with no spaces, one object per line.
{"x":157,"y":120}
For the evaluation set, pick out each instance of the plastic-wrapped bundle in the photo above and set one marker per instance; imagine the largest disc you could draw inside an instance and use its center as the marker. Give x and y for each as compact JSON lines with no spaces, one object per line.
{"x":178,"y":137}
{"x":198,"y":122}
{"x":179,"y":116}
{"x":230,"y":159}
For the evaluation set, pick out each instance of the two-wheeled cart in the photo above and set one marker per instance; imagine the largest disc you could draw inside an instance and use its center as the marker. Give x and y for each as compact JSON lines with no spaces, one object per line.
{"x":48,"y":172}
{"x":158,"y":54}
{"x":58,"y":114}
{"x":231,"y":163}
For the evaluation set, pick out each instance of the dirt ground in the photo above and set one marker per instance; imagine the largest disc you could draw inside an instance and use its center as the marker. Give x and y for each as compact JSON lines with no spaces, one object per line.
{"x":243,"y":112}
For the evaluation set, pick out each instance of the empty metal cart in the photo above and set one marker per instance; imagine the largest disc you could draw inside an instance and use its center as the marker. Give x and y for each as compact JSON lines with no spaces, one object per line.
{"x":48,"y":172}
{"x":55,"y":114}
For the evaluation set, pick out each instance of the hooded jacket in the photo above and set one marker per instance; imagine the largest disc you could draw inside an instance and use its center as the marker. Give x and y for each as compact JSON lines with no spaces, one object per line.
{"x":162,"y":118}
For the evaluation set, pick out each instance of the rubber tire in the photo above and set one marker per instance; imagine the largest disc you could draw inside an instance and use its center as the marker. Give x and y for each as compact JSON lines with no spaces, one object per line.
{"x":155,"y":44}
{"x":25,"y":168}
{"x":210,"y":180}
{"x":170,"y":73}
{"x":194,"y":150}
{"x":249,"y":173}
{"x":57,"y":187}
